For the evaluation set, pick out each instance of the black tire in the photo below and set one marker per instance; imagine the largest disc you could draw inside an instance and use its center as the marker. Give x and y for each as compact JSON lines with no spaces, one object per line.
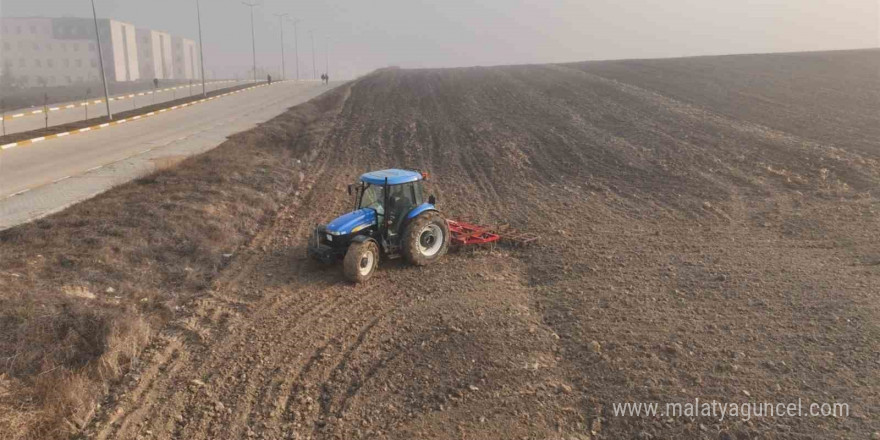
{"x":421,"y":246}
{"x":361,"y":261}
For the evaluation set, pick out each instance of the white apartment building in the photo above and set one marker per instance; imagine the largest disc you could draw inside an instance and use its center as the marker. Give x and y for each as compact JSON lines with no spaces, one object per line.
{"x":40,"y":51}
{"x":185,"y":58}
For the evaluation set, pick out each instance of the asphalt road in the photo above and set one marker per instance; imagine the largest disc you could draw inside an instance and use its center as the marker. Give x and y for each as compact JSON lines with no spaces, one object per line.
{"x":119,"y":103}
{"x":42,"y":178}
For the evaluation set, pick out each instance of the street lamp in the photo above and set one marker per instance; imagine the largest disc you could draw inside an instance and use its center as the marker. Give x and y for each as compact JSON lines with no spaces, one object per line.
{"x":201,"y":52}
{"x":253,"y":39}
{"x":295,"y":45}
{"x":101,"y":61}
{"x":281,"y":25}
{"x":314,"y":67}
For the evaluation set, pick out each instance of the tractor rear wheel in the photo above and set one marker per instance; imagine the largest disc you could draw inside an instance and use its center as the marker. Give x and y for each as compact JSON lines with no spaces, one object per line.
{"x":360,"y":261}
{"x":426,"y":238}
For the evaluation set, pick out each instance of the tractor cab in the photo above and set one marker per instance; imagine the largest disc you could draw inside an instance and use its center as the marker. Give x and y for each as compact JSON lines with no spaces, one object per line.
{"x":393,"y":195}
{"x":388,"y":205}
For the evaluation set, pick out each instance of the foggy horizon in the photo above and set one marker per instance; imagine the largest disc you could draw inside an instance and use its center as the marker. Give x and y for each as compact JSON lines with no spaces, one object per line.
{"x":422,"y":34}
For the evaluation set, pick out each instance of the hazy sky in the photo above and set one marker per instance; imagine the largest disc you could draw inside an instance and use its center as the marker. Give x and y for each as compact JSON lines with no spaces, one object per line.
{"x":364,"y":35}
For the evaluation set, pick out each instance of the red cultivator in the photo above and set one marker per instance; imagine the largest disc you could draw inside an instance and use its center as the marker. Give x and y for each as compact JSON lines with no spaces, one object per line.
{"x":466,"y":233}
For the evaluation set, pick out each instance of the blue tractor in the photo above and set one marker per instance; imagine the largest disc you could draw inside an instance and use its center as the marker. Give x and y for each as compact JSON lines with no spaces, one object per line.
{"x":391,"y":218}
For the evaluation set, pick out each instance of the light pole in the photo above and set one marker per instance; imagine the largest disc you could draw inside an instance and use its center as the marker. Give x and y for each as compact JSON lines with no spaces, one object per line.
{"x":327,"y":59}
{"x":314,"y":67}
{"x":281,"y":25}
{"x":201,"y":52}
{"x":101,"y":61}
{"x":253,"y":39}
{"x":296,"y":46}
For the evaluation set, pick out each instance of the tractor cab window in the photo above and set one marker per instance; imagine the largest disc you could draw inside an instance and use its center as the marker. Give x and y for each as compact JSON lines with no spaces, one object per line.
{"x":401,"y":200}
{"x":372,"y":198}
{"x":418,"y":191}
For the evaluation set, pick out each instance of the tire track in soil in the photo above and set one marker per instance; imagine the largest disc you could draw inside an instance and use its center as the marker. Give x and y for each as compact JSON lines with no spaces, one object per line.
{"x":214,"y":309}
{"x":272,"y":313}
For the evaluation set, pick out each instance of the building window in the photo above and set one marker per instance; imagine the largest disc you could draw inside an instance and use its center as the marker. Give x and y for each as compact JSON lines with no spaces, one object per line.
{"x":79,"y":79}
{"x":50,"y":63}
{"x":69,"y":80}
{"x":48,"y":46}
{"x":94,"y":63}
{"x":38,"y":63}
{"x":36,"y":46}
{"x":75,"y":47}
{"x":18,"y":30}
{"x":64,"y":47}
{"x":79,"y":63}
{"x":22,"y":62}
{"x":6,"y":46}
{"x":66,"y":62}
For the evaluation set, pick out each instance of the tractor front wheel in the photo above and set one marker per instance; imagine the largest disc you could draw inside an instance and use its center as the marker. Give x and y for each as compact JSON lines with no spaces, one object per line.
{"x":426,"y":239}
{"x":360,"y":261}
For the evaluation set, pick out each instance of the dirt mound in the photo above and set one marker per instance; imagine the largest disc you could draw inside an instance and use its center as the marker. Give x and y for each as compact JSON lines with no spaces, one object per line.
{"x":687,"y":251}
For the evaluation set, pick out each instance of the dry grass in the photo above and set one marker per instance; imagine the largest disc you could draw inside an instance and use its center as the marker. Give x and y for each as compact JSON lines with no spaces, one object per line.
{"x":82,"y":291}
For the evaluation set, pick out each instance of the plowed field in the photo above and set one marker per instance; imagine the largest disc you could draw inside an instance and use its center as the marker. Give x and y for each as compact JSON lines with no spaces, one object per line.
{"x":709,"y":228}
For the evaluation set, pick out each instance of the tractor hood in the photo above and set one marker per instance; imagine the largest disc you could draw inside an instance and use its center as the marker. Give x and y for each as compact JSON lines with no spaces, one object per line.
{"x":346,"y":223}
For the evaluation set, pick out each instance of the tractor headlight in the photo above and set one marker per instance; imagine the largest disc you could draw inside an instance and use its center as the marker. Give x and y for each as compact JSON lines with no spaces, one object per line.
{"x":329,"y":237}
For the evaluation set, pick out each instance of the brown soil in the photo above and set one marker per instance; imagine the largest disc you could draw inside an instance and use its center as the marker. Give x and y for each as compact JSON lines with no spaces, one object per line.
{"x":24,"y":135}
{"x":687,"y":250}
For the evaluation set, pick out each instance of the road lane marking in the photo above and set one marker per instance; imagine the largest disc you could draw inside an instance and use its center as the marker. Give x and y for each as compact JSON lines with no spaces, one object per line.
{"x":122,"y":121}
{"x":98,"y":101}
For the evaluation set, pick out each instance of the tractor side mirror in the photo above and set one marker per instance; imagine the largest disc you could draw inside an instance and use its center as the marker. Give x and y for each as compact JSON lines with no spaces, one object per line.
{"x":349,"y":189}
{"x":432,"y":200}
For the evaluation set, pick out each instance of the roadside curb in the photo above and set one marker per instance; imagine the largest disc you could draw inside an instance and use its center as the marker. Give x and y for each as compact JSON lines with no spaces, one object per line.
{"x":98,"y":101}
{"x":122,"y":121}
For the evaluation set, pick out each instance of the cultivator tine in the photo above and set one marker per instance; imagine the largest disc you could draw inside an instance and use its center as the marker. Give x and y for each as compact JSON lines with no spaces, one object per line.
{"x":513,"y":236}
{"x":466,"y":232}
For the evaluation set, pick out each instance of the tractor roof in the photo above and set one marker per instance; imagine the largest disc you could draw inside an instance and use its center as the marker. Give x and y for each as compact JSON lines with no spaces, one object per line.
{"x":394,"y":176}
